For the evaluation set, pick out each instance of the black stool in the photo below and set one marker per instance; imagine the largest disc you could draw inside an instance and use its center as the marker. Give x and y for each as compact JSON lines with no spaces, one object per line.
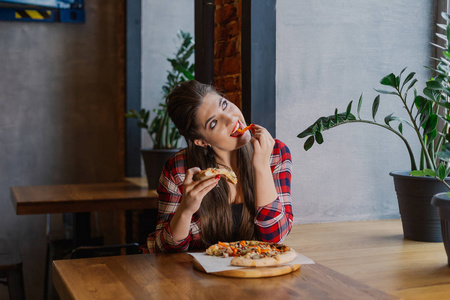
{"x":11,"y":270}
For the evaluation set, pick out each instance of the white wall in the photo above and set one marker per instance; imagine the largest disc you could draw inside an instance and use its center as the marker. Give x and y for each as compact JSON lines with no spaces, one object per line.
{"x":161,"y":20}
{"x":328,"y":53}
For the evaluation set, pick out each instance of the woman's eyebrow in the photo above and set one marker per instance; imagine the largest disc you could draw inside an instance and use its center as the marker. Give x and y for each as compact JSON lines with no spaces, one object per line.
{"x":209,"y":119}
{"x":212,"y":117}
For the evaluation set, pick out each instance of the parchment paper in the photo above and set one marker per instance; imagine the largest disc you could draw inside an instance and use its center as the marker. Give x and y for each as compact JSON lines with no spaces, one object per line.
{"x":217,"y":264}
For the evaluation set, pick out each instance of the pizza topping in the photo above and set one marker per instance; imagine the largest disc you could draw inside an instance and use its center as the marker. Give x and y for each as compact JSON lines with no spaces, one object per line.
{"x":247,"y":249}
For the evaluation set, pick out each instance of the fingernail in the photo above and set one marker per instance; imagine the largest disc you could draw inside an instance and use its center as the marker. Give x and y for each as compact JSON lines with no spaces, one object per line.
{"x":217,"y":177}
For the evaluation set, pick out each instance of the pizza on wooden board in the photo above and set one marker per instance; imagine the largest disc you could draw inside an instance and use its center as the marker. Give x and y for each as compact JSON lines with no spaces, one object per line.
{"x":253,"y":253}
{"x":212,"y":172}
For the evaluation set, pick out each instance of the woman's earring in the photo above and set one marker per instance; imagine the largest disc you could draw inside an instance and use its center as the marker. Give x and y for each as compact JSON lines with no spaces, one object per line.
{"x":209,"y":152}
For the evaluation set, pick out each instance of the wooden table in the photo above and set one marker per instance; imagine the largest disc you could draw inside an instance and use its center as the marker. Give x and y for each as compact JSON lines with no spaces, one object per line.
{"x":372,"y":252}
{"x":375,"y":253}
{"x":172,"y":276}
{"x":81,"y":199}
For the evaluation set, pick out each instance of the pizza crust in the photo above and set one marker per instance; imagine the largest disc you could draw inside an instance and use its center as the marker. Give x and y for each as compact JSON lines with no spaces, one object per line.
{"x":279,"y":259}
{"x":212,"y":172}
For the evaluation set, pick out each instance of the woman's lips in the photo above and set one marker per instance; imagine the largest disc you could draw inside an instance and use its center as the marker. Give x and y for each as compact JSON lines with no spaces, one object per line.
{"x":235,"y":132}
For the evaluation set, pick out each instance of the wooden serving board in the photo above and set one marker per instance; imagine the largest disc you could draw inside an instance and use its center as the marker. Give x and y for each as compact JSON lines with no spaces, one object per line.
{"x":251,"y":272}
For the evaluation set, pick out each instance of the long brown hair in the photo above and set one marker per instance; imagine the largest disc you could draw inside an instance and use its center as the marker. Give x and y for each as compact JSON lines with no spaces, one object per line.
{"x":216,"y":220}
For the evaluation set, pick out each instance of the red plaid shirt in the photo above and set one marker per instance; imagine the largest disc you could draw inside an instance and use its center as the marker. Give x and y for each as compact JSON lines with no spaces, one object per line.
{"x":273,"y":221}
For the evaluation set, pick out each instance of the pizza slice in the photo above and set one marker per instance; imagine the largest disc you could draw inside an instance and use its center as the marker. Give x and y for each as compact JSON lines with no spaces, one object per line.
{"x":212,"y":172}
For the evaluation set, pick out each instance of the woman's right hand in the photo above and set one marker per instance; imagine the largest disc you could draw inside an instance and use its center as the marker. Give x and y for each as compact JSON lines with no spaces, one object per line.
{"x":195,"y":190}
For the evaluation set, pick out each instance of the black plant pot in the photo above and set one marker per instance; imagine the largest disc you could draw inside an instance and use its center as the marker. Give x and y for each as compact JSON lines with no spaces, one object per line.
{"x":420,"y":219}
{"x":154,"y":160}
{"x":442,"y":202}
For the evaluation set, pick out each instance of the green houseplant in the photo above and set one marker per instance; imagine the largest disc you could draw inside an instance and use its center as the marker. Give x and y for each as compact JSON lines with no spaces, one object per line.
{"x":428,"y":117}
{"x":162,"y":132}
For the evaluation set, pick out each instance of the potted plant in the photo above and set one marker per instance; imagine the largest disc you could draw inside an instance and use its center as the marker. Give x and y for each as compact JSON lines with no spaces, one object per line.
{"x":162,"y":131}
{"x":428,"y":117}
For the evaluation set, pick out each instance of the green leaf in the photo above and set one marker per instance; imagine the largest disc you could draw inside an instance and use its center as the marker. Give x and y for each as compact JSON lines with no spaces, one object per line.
{"x":309,"y":143}
{"x":336,"y":119}
{"x":389,"y":80}
{"x":411,"y":85}
{"x":359,"y":106}
{"x":431,"y":124}
{"x":444,"y":154}
{"x":448,"y":27}
{"x":305,"y":133}
{"x":420,"y":103}
{"x":429,"y":172}
{"x":146,"y":117}
{"x":434,"y":85}
{"x":417,"y":173}
{"x":408,"y":78}
{"x":431,"y":136}
{"x":400,"y":128}
{"x":386,"y":92}
{"x":442,"y":172}
{"x":319,"y":138}
{"x":321,"y":127}
{"x":446,"y":54}
{"x":401,"y":72}
{"x":185,"y":72}
{"x":142,"y":125}
{"x":376,"y":103}
{"x":389,"y":118}
{"x":349,"y":108}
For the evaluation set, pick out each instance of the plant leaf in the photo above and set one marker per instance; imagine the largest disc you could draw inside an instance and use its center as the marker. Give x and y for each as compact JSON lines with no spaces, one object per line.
{"x":309,"y":143}
{"x":408,"y":78}
{"x":389,"y":118}
{"x":389,"y":80}
{"x":349,"y":108}
{"x":411,"y":85}
{"x":431,"y":124}
{"x":385,"y":92}
{"x":438,"y":46}
{"x":305,"y":133}
{"x":442,"y":172}
{"x":376,"y":103}
{"x":319,"y":138}
{"x":359,"y":106}
{"x":434,"y":85}
{"x":444,"y":154}
{"x":417,"y":173}
{"x":429,"y":172}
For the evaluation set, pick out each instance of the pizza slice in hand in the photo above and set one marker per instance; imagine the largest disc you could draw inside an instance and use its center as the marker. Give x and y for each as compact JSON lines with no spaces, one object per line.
{"x":212,"y":172}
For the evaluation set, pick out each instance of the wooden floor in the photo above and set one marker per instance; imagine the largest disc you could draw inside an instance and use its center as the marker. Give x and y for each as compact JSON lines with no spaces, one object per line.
{"x":375,"y":253}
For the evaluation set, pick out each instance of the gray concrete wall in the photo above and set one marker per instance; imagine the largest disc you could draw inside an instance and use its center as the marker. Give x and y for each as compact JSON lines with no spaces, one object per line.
{"x":60,"y":92}
{"x":328,"y":53}
{"x":161,"y":21}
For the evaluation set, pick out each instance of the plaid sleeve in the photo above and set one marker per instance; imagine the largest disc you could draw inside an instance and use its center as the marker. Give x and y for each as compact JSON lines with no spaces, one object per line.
{"x":274,"y":221}
{"x":170,"y":192}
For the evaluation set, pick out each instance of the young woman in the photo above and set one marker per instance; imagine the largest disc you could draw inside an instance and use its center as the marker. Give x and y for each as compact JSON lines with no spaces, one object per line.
{"x":194,"y":214}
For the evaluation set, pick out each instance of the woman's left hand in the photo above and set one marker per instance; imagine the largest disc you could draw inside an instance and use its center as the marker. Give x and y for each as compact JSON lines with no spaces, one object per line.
{"x":262,"y":146}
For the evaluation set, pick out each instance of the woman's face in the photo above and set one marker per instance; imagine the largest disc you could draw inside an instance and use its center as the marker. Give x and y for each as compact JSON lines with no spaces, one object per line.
{"x":218,"y":120}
